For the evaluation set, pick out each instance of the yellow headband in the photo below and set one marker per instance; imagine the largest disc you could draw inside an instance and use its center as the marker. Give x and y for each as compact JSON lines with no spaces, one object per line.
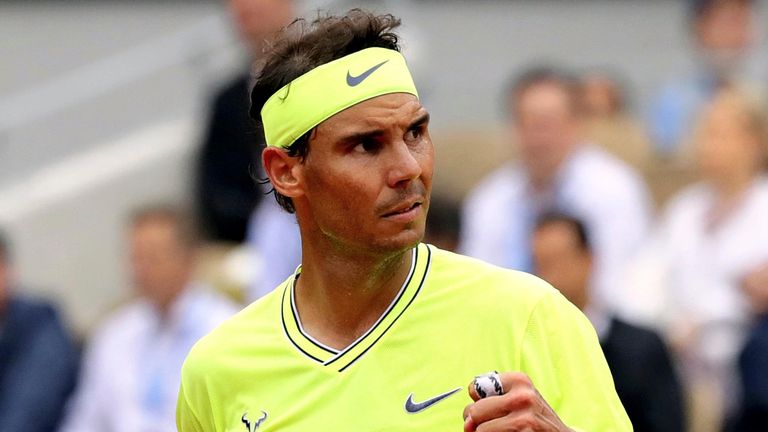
{"x":328,"y":89}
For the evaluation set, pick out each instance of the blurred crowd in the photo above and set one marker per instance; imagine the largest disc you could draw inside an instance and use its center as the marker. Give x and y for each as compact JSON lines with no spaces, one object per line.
{"x":653,"y":225}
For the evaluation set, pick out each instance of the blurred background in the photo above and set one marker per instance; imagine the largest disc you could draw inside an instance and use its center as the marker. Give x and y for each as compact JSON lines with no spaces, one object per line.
{"x":107,"y":107}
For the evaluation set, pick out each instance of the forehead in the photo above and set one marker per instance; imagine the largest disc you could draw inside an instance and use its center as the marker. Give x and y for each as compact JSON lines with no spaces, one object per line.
{"x":557,"y":233}
{"x":379,"y":113}
{"x":544,"y":96}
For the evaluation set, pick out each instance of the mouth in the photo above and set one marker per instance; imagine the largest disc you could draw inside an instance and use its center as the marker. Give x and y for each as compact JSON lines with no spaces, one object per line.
{"x":409,"y":208}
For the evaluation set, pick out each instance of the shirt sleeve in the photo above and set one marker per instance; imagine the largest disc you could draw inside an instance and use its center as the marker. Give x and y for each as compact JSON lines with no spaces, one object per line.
{"x":186,"y":420}
{"x":562,"y":356}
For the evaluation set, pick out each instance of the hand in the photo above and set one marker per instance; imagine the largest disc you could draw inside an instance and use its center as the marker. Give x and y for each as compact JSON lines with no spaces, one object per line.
{"x":520,"y":408}
{"x":755,"y":286}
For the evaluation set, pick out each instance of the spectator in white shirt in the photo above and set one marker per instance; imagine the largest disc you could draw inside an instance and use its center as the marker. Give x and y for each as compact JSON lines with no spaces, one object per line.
{"x":131,"y":371}
{"x":557,"y":171}
{"x":712,"y":239}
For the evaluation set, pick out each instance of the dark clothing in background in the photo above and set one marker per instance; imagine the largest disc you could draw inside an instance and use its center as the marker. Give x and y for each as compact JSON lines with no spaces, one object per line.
{"x":226,"y":191}
{"x":753,"y":371}
{"x":38,"y":367}
{"x":645,"y":378}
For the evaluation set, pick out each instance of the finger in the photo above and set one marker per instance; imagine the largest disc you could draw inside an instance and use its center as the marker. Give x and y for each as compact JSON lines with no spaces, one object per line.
{"x":517,"y":400}
{"x":485,"y":385}
{"x":508,"y":381}
{"x":521,"y":423}
{"x":514,"y":380}
{"x":469,"y":424}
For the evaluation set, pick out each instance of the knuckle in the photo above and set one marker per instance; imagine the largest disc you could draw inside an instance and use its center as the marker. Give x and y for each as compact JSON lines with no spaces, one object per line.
{"x":525,"y":422}
{"x":471,"y":411}
{"x":521,"y":399}
{"x":521,"y":379}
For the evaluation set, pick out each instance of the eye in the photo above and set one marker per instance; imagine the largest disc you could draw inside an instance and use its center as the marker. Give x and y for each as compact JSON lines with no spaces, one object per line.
{"x":368,"y":146}
{"x":414,"y":133}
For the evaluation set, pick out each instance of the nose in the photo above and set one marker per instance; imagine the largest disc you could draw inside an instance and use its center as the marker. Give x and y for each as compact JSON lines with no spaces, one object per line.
{"x":404,"y":166}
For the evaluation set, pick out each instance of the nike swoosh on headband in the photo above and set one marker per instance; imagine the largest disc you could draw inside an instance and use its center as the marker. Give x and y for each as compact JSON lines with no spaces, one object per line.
{"x":353,"y":81}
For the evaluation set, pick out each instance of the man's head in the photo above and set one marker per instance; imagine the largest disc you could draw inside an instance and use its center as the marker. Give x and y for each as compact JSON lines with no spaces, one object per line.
{"x":5,"y":270}
{"x":360,"y":176}
{"x":723,"y":31}
{"x":562,"y":256}
{"x":544,"y":109}
{"x":601,"y":95}
{"x":732,"y":137}
{"x":258,"y":20}
{"x":162,"y":251}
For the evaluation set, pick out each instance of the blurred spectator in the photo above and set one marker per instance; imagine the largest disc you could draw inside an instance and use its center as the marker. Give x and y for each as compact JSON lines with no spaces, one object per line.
{"x":712,"y":239}
{"x":641,"y":366}
{"x":558,"y":171}
{"x":275,"y":245}
{"x":131,"y":370}
{"x":607,"y":122}
{"x":231,"y":152}
{"x":753,"y":368}
{"x":723,"y":35}
{"x":443,"y":223}
{"x":38,"y":359}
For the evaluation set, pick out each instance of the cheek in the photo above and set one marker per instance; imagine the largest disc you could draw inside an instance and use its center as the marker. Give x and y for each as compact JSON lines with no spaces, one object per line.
{"x":340,"y":194}
{"x":426,"y":160}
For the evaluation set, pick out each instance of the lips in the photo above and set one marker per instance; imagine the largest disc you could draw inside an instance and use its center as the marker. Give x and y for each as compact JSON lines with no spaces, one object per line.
{"x":404,"y":207}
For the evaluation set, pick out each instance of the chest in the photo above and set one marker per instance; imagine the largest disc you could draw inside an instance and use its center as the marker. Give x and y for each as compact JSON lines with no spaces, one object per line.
{"x":413,"y":379}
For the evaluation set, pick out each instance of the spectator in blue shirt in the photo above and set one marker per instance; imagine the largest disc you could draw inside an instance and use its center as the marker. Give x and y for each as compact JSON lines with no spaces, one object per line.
{"x":38,"y":359}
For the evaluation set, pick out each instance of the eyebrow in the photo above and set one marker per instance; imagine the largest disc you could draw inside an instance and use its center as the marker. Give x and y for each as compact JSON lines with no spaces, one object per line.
{"x":419,"y":121}
{"x":372,"y":134}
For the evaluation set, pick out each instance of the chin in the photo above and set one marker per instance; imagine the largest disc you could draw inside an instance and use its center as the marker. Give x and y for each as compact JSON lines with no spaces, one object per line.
{"x":406,"y":239}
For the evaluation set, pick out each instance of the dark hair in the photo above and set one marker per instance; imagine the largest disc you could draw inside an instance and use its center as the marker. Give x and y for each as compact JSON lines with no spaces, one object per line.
{"x":183,"y":223}
{"x":575,"y":224}
{"x":5,"y":248}
{"x":621,"y":100}
{"x":698,"y":8}
{"x":304,"y":46}
{"x":543,"y":74}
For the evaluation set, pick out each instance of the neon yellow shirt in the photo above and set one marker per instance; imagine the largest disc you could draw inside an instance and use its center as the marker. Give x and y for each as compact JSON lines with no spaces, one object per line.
{"x":454,"y":318}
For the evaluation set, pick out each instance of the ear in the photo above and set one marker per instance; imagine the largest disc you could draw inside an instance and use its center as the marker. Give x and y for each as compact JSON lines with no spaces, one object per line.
{"x":284,"y":172}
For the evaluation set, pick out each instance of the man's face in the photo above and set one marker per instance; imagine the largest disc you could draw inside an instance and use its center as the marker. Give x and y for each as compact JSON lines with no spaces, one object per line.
{"x":546,"y":128}
{"x":725,"y":146}
{"x":725,"y":32}
{"x":559,"y":260}
{"x":368,"y":175}
{"x":160,"y":264}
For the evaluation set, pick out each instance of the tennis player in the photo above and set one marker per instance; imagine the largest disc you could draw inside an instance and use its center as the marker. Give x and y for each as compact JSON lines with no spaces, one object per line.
{"x":376,"y":331}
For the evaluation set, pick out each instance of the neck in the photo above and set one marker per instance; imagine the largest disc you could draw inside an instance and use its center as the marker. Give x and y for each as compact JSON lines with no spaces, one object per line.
{"x":341,"y":294}
{"x":731,"y":187}
{"x":165,"y":304}
{"x":544,"y":176}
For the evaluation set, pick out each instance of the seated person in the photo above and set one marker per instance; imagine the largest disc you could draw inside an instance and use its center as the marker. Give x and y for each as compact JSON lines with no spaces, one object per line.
{"x":131,"y":370}
{"x":38,"y":359}
{"x":638,"y":358}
